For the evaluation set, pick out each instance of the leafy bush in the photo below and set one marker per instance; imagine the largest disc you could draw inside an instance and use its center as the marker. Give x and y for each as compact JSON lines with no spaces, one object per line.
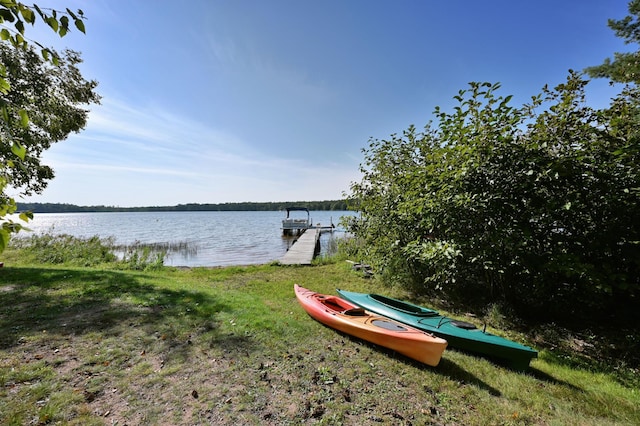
{"x":495,"y":203}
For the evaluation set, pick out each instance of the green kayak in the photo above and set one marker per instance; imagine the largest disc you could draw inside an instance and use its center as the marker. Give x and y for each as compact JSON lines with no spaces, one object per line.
{"x":460,"y":334}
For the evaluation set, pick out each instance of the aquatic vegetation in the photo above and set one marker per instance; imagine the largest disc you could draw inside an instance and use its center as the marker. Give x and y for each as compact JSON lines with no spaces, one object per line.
{"x":64,"y":249}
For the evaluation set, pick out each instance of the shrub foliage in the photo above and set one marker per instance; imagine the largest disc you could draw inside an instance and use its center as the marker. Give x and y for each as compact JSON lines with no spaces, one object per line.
{"x":535,"y":206}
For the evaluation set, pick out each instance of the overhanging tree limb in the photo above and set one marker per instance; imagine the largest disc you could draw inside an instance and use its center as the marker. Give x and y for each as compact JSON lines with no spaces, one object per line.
{"x":15,"y":121}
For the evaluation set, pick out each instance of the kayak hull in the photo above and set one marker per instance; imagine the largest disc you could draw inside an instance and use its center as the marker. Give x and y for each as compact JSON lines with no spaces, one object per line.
{"x":348,"y":318}
{"x":460,"y":335}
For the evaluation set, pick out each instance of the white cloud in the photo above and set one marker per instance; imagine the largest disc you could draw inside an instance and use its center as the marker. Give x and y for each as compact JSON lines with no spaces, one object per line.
{"x":149,"y":156}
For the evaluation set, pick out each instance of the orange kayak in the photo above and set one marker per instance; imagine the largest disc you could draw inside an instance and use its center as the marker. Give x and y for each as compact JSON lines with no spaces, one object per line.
{"x":348,"y":318}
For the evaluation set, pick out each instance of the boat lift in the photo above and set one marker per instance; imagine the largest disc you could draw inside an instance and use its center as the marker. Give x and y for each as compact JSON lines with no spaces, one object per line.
{"x":296,"y":226}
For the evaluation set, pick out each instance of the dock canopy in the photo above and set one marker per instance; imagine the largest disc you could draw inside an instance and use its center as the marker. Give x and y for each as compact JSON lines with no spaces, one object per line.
{"x":297,"y":209}
{"x":292,"y":226}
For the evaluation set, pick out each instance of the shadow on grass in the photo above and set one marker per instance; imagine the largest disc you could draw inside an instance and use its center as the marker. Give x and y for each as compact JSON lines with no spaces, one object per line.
{"x":455,"y":372}
{"x":70,"y":301}
{"x":627,"y":376}
{"x":545,"y":377}
{"x":446,"y":367}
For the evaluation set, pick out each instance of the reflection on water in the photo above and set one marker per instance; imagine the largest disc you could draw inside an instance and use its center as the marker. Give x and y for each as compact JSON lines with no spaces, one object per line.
{"x":190,"y":238}
{"x":183,"y":249}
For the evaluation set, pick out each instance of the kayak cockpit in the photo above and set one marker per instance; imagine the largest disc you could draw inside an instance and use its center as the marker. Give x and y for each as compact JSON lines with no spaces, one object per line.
{"x":335,"y":303}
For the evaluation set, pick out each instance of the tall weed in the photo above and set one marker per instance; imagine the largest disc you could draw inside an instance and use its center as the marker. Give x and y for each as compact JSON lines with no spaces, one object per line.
{"x":143,"y":259}
{"x":66,"y":249}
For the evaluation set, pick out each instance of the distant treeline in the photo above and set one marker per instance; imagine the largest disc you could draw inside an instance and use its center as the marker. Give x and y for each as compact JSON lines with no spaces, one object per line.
{"x":271,"y":206}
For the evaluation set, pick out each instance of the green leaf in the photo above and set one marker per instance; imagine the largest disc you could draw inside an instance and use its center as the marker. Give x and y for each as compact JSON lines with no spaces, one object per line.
{"x":26,"y":216}
{"x":19,"y":150}
{"x":4,"y":239}
{"x":80,"y":25}
{"x":28,"y":15}
{"x":42,"y":15}
{"x":53,"y":23}
{"x":6,"y":15}
{"x":5,"y":113}
{"x":24,"y":118}
{"x":4,"y":86}
{"x":4,"y":34}
{"x":19,"y":41}
{"x":20,"y":26}
{"x":70,"y":13}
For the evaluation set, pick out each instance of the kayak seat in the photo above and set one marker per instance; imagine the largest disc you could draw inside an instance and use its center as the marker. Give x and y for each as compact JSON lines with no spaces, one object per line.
{"x":333,"y":303}
{"x":355,"y":312}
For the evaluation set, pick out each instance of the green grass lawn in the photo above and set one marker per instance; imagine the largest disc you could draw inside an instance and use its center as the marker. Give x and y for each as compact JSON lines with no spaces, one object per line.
{"x":233,"y":346}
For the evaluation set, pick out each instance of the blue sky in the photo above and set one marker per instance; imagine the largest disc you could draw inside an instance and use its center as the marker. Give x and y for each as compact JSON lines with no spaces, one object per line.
{"x":212,"y":101}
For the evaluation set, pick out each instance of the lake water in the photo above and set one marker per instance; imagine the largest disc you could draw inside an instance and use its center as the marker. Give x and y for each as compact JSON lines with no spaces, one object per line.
{"x":212,"y":238}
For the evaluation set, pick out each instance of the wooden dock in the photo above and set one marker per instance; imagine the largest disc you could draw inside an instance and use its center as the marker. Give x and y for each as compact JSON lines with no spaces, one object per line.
{"x":304,"y":249}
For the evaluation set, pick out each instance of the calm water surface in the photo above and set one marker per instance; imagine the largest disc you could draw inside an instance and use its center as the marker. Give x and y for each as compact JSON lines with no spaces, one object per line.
{"x":212,"y":238}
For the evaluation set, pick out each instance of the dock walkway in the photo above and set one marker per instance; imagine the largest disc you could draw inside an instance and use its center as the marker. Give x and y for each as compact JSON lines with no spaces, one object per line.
{"x":303,"y":250}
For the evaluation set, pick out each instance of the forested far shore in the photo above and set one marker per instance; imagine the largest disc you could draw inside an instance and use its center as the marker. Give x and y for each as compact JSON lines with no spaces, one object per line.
{"x":245,"y":206}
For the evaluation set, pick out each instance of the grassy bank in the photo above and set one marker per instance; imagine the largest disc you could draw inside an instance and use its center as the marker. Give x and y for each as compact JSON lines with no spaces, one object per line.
{"x":232,"y":346}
